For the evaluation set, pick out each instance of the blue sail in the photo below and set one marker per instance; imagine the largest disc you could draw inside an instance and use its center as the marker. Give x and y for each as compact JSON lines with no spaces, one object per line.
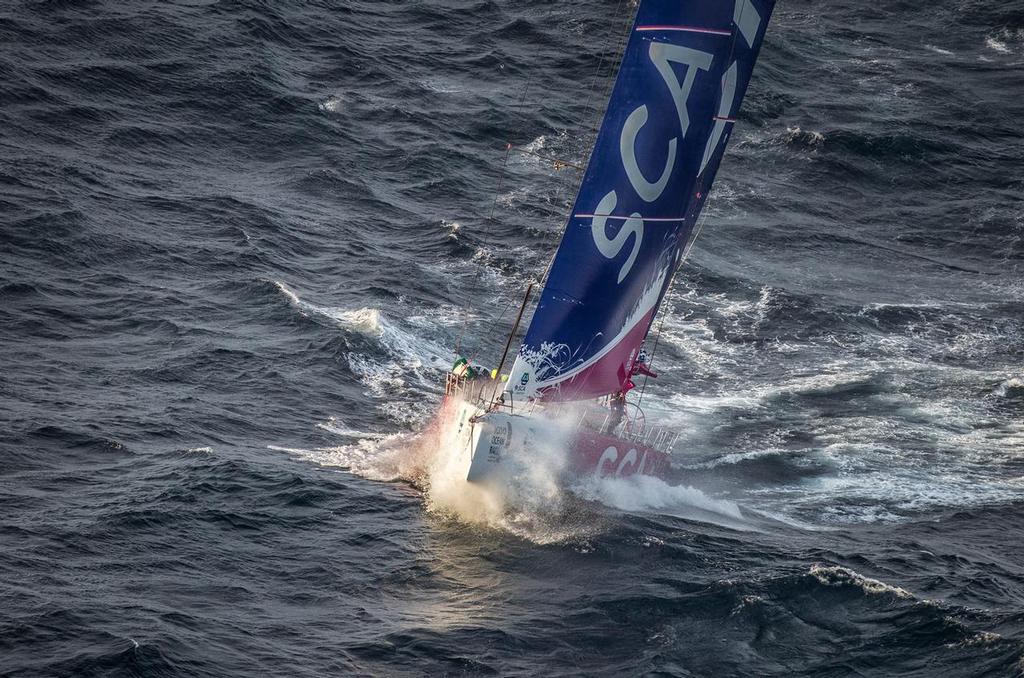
{"x":683,"y":74}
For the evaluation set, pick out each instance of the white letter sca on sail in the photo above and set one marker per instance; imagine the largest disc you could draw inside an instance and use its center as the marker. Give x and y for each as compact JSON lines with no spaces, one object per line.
{"x":610,"y":247}
{"x":662,"y":55}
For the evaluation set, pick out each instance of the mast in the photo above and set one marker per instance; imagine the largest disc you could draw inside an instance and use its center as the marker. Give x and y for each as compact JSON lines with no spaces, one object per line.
{"x":512,"y":334}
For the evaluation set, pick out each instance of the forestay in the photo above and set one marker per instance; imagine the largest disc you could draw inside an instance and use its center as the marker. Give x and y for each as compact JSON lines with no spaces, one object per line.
{"x":680,"y":83}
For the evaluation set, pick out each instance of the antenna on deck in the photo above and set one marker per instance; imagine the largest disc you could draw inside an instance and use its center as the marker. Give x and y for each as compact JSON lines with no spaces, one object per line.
{"x":511,"y":336}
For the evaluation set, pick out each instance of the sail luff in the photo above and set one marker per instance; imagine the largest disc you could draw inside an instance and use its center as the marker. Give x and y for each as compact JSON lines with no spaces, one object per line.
{"x":682,"y":76}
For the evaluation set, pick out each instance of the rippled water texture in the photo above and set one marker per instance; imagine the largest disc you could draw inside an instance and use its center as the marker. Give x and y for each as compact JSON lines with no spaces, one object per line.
{"x":238,"y":240}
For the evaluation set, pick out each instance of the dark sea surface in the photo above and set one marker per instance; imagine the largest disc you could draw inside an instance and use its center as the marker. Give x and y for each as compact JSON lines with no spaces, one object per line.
{"x":238,"y":240}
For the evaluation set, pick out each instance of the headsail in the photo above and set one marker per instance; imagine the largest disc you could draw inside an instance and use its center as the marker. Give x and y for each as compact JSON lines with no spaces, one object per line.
{"x":683,"y":75}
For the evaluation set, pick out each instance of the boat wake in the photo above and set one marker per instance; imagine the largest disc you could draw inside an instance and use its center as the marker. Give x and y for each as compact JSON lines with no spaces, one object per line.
{"x":642,"y":493}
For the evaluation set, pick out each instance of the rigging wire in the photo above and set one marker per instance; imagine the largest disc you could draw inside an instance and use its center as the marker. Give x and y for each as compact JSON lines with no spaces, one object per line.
{"x":661,"y":323}
{"x":700,"y":222}
{"x":654,"y":351}
{"x":501,"y":179}
{"x":490,"y":219}
{"x":609,"y":81}
{"x":504,"y":167}
{"x":585,"y":122}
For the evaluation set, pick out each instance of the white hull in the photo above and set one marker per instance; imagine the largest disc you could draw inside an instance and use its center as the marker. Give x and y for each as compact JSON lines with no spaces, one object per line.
{"x":489,"y":445}
{"x":498,"y":447}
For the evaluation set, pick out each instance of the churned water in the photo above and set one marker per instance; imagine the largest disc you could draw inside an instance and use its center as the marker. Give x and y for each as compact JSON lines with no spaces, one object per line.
{"x":239,"y":240}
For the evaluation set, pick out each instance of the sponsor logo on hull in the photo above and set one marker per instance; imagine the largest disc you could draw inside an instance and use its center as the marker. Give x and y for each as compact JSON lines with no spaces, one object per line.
{"x":501,"y":440}
{"x":630,"y":463}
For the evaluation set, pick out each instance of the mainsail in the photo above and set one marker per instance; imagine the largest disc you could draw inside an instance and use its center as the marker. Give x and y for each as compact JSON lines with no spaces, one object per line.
{"x":681,"y":80}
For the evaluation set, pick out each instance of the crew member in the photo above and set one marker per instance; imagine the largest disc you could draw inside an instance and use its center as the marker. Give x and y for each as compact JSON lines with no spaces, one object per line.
{"x":463,"y":369}
{"x":617,"y":405}
{"x":640,"y":366}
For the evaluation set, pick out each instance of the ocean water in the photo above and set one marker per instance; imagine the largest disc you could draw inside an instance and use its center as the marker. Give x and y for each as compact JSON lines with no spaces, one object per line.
{"x":240,"y":239}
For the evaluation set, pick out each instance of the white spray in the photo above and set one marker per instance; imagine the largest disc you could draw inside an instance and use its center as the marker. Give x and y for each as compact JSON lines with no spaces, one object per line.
{"x":530,"y":484}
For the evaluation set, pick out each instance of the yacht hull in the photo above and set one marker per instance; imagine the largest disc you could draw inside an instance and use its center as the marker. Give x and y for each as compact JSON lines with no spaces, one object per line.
{"x":496,"y":446}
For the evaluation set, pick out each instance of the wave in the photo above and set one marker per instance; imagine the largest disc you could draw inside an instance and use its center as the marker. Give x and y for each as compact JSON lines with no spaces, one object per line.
{"x":1011,"y":388}
{"x":648,"y":494}
{"x":398,"y":366}
{"x":836,"y":576}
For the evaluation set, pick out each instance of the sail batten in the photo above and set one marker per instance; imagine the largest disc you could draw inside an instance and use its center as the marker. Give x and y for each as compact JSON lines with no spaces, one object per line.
{"x":682,"y":77}
{"x":612,"y":216}
{"x":685,"y":29}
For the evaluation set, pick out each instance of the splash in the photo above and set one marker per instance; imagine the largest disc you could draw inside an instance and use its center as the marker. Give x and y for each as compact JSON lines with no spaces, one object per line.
{"x":808,"y":139}
{"x":366,"y":321}
{"x":340,"y":428}
{"x":452,"y":228}
{"x":530,"y":502}
{"x":363,"y":320}
{"x":527,"y":500}
{"x":535,"y":499}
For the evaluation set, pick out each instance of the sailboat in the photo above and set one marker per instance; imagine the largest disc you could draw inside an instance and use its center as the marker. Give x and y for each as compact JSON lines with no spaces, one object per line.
{"x":682,"y":77}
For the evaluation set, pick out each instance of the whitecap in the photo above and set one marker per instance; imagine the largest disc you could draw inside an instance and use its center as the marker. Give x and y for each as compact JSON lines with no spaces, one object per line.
{"x":407,"y":354}
{"x":339,"y":428}
{"x":331,"y":104}
{"x":836,"y":575}
{"x":452,"y":228}
{"x":1010,"y":386}
{"x":997,"y":45}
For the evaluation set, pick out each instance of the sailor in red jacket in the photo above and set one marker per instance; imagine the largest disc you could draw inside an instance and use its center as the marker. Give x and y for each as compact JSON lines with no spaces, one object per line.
{"x":639,"y":367}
